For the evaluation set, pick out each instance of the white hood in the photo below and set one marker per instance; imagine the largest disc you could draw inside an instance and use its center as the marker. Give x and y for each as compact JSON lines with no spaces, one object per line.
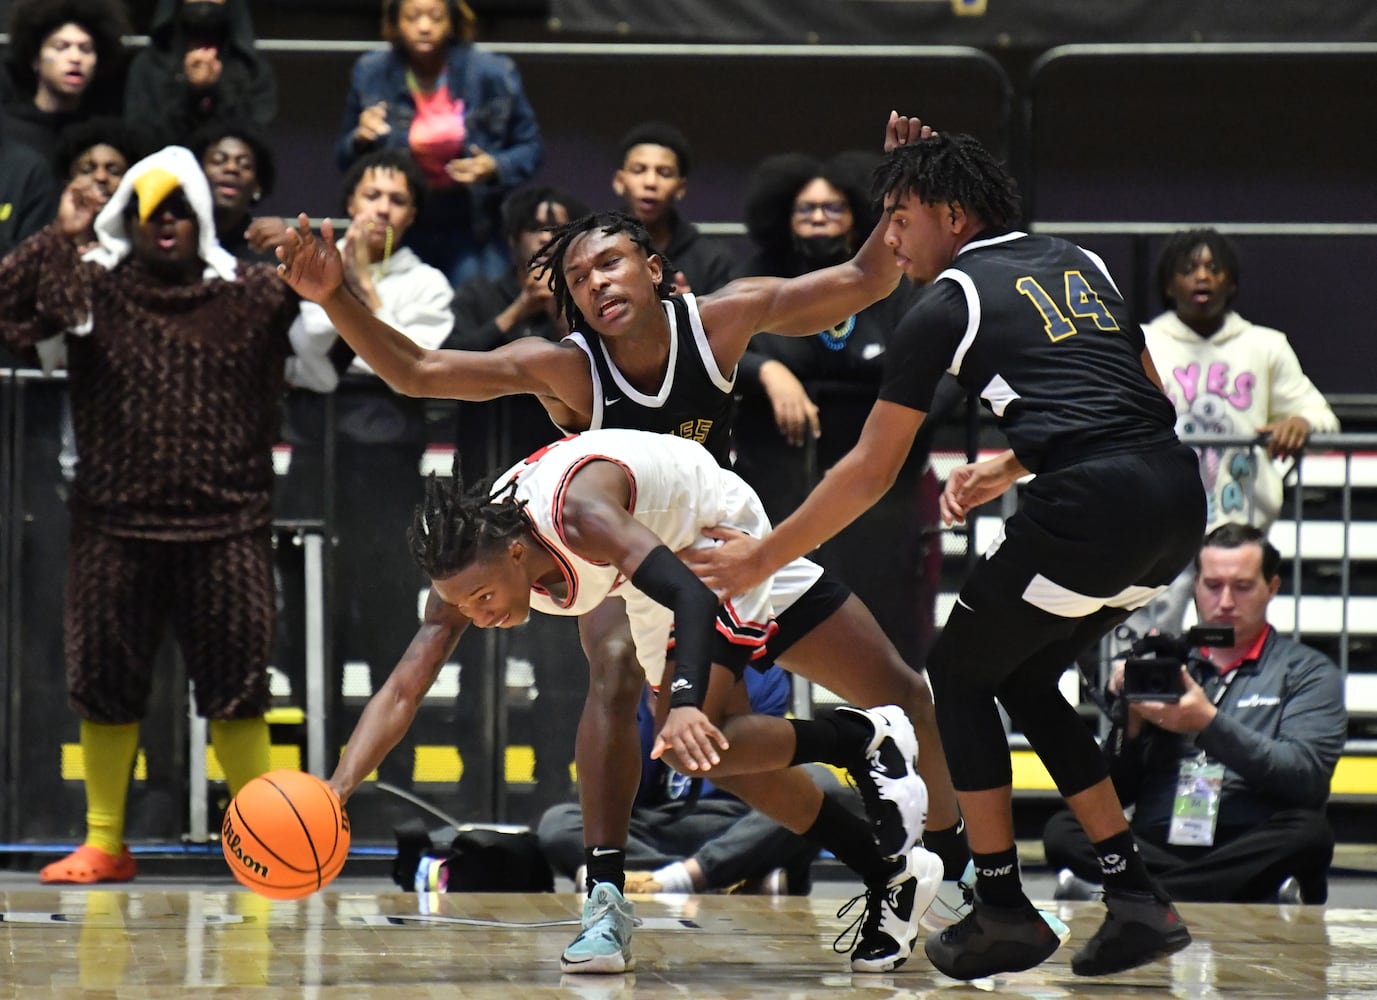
{"x":185,"y":171}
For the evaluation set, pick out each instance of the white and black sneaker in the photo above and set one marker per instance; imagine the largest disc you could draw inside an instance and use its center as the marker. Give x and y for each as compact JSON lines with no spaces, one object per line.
{"x":882,"y":937}
{"x":895,"y":797}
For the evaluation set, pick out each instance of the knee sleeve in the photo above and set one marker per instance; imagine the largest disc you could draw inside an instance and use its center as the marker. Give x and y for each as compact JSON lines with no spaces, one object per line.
{"x":973,"y":736}
{"x":1054,"y":730}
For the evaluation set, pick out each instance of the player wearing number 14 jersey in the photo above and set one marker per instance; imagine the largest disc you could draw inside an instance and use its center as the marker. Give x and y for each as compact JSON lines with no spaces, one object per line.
{"x":1038,"y":330}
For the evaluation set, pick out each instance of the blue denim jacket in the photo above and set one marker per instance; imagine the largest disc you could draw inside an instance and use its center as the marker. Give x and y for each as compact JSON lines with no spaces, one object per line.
{"x":497,"y":118}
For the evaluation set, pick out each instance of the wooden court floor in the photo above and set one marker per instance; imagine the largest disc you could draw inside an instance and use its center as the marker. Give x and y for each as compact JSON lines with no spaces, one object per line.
{"x":180,"y":941}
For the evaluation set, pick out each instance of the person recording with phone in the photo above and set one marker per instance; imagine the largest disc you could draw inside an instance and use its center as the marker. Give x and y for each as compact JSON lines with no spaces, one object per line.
{"x":1230,"y":780}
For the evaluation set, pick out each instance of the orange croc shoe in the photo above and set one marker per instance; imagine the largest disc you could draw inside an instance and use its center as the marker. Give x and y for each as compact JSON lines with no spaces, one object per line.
{"x":87,"y":865}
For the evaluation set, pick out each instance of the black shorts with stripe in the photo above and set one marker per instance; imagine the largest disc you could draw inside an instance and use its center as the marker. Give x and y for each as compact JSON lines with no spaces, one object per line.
{"x":814,"y":606}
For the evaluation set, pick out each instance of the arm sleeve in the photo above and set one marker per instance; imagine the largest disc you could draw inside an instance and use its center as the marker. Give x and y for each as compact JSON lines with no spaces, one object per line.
{"x":1295,"y":765}
{"x":667,"y":581}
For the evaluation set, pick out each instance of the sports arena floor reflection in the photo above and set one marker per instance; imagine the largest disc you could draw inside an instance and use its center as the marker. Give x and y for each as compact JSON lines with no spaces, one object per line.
{"x":174,"y":942}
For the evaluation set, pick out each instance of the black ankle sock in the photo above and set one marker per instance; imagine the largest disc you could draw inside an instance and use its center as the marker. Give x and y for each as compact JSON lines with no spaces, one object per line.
{"x":605,"y":864}
{"x":950,"y":845}
{"x":1121,"y":866}
{"x":849,"y":838}
{"x":831,"y":740}
{"x":997,"y":879}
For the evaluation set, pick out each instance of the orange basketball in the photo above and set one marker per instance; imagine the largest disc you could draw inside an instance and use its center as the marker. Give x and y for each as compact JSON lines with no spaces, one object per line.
{"x":285,"y":835}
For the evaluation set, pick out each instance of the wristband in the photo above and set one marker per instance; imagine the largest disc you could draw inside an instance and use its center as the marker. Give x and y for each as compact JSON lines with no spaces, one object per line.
{"x":667,"y":581}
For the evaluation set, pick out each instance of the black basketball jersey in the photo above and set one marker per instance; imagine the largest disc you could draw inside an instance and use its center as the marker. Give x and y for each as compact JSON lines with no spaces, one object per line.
{"x":695,"y":399}
{"x":1036,"y":327}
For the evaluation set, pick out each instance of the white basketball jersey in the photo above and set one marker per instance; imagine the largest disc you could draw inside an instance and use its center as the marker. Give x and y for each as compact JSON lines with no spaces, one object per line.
{"x":677,"y":490}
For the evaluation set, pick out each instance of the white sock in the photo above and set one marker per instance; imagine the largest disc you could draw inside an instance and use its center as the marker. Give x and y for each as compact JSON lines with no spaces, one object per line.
{"x":674,"y":878}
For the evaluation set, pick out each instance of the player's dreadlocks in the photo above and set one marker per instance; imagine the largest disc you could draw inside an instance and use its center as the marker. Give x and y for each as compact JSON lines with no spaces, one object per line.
{"x":550,"y":258}
{"x":951,"y":167}
{"x":453,"y":527}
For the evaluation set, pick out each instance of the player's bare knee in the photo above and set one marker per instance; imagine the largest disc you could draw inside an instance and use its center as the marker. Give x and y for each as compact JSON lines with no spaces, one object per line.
{"x":616,"y":679}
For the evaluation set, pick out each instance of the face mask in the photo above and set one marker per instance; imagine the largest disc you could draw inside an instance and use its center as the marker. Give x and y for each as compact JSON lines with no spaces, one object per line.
{"x":821,"y":251}
{"x":204,"y":19}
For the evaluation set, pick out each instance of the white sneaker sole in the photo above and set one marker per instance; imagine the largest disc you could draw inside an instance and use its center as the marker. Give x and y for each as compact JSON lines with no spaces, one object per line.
{"x":926,"y":869}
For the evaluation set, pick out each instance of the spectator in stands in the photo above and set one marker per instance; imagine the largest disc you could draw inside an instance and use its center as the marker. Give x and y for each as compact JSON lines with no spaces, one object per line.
{"x":491,"y":312}
{"x":28,"y":197}
{"x":652,"y":178}
{"x":381,"y":435}
{"x":462,"y":113}
{"x":239,"y":164}
{"x":101,"y":148}
{"x":1268,"y":723}
{"x":177,"y":359}
{"x":719,"y":842}
{"x":805,"y":399}
{"x":66,"y":58}
{"x":200,"y":66}
{"x":1225,"y":375}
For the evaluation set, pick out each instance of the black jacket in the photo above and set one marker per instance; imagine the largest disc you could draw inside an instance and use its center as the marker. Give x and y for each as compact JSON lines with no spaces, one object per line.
{"x":157,"y":91}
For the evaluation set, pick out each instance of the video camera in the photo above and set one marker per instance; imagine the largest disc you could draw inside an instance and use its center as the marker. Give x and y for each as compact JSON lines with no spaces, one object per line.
{"x":1152,"y":671}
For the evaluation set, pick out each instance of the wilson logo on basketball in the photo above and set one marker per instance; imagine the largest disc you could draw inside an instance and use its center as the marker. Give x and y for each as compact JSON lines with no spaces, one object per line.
{"x":231,"y":841}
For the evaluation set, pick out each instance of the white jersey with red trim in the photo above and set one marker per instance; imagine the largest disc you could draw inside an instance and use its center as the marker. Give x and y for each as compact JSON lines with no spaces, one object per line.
{"x":677,"y":490}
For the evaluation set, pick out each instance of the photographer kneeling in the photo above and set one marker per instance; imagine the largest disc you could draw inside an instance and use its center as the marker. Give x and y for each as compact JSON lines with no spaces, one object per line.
{"x":1229,"y":782}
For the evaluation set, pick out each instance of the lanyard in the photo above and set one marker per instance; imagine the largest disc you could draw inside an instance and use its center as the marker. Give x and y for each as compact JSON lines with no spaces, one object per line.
{"x":1227,"y":679}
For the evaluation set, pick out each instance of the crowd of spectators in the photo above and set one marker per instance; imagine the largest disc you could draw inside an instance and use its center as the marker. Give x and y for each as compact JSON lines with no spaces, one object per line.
{"x":442,"y":162}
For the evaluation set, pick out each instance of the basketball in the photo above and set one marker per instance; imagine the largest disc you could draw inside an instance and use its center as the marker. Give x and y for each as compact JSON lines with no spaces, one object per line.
{"x":285,"y":835}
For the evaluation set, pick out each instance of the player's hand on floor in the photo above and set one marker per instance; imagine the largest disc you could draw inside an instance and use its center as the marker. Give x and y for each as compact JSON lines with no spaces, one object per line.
{"x":693,"y":739}
{"x":733,"y":567}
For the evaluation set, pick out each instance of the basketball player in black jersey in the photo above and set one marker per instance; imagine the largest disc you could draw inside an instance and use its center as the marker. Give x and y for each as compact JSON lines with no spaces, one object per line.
{"x":1036,"y":327}
{"x":649,"y":361}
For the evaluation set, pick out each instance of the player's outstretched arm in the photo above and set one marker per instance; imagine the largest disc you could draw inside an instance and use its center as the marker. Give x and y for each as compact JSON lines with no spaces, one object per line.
{"x":388,"y":714}
{"x":312,"y":266}
{"x":849,"y":489}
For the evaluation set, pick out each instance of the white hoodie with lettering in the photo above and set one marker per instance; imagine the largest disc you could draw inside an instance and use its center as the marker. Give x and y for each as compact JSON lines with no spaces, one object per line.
{"x":1244,"y":377}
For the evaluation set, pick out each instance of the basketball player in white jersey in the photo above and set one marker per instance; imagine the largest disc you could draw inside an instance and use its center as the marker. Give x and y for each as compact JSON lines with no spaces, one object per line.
{"x":679,"y":358}
{"x":601,"y":514}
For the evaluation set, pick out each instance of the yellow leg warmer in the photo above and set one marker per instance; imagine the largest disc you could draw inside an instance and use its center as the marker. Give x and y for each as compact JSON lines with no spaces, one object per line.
{"x":108,"y":752}
{"x":244,"y":748}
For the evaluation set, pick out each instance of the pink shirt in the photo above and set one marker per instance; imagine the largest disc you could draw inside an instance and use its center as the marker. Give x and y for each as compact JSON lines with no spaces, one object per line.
{"x":437,"y":133}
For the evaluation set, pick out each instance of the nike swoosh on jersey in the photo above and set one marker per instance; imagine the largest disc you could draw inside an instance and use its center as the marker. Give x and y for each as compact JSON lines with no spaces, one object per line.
{"x":612,"y":402}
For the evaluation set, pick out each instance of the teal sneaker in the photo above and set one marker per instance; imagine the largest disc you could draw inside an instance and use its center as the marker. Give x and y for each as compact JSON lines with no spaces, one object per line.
{"x":604,"y":944}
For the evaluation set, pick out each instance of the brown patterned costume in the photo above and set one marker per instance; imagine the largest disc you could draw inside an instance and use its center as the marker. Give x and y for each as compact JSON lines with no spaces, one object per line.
{"x":175,"y":393}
